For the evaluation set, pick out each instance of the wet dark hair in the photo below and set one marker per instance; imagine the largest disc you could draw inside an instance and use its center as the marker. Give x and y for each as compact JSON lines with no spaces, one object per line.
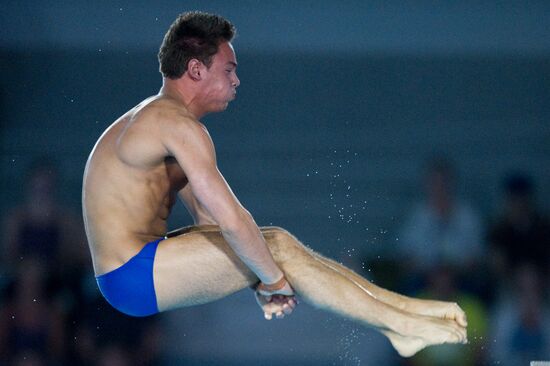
{"x":193,"y":35}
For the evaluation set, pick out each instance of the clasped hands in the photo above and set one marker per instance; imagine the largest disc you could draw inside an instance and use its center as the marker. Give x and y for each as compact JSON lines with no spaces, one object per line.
{"x":280,"y":302}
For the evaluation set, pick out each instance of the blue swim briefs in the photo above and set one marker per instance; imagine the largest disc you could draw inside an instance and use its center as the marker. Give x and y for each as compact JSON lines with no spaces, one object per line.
{"x":130,"y":288}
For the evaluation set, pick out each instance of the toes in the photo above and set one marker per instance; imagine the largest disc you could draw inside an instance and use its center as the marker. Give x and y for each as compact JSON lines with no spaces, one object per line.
{"x":462,"y":319}
{"x":465,"y":336}
{"x":454,"y":337}
{"x":462,"y":335}
{"x":457,"y":334}
{"x":459,"y":315}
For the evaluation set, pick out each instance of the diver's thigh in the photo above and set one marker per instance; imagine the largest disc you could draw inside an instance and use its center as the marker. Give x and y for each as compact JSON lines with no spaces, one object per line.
{"x":195,"y":268}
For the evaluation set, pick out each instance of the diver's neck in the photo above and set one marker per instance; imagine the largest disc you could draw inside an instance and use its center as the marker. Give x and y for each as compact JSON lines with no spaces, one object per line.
{"x":178,"y":90}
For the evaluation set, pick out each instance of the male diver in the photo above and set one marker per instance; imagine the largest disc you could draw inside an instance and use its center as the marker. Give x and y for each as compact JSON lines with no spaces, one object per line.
{"x":159,"y":150}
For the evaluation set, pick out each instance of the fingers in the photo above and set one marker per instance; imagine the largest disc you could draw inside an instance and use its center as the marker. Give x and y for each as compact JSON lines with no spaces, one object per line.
{"x":278,"y":315}
{"x":279,"y":305}
{"x":284,"y":309}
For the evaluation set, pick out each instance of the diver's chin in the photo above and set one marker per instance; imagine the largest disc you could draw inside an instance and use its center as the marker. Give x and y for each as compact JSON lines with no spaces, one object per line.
{"x":223,"y":107}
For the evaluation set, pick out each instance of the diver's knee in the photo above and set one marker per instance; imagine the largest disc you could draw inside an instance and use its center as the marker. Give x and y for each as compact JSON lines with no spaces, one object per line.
{"x":280,"y":234}
{"x":277,"y":234}
{"x":282,"y":244}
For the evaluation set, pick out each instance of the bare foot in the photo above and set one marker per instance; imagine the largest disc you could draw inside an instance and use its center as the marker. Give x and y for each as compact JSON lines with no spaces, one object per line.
{"x":439,"y":309}
{"x":424,"y":332}
{"x":405,"y":346}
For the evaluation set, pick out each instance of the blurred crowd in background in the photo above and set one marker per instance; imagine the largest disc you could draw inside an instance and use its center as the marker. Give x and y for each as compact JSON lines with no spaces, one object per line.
{"x":51,"y":311}
{"x":495,"y":265}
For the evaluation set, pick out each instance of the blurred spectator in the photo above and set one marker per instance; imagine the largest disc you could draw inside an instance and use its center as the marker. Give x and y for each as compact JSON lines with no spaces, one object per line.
{"x":521,"y":233}
{"x":442,"y":285}
{"x":31,"y":319}
{"x":149,"y":349}
{"x":99,"y":328}
{"x":41,"y":227}
{"x":83,"y":351}
{"x":441,"y":230}
{"x":114,"y":355}
{"x":55,"y":308}
{"x":521,"y":323}
{"x":29,"y":358}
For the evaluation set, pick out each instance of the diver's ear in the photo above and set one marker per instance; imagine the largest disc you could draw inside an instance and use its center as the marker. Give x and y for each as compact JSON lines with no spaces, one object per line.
{"x":194,"y":69}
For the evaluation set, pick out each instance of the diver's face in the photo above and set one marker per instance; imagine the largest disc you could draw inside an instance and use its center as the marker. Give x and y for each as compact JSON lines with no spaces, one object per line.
{"x":220,"y":80}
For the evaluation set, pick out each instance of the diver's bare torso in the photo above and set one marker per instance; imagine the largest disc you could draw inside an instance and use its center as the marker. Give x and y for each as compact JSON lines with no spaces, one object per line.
{"x":131,"y":184}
